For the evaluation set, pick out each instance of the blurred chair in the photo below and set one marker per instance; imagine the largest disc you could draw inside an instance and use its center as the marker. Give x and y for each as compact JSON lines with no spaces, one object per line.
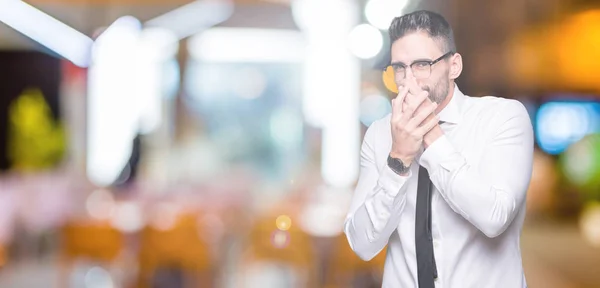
{"x":291,"y":248}
{"x":95,"y":241}
{"x":178,"y":247}
{"x":345,"y":265}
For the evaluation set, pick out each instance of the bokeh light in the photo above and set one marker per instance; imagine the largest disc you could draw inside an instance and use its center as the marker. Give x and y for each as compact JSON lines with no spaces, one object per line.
{"x":283,"y":222}
{"x":380,"y":13}
{"x":559,"y":124}
{"x":128,"y":217}
{"x":589,"y":223}
{"x":98,"y":277}
{"x":100,"y":204}
{"x":365,"y":41}
{"x":374,"y":107}
{"x":165,"y":216}
{"x":280,"y":239}
{"x":581,"y":163}
{"x":389,"y":81}
{"x":576,"y":61}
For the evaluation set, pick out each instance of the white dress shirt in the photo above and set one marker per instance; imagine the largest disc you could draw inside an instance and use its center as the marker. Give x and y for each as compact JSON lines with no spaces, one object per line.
{"x":480,"y":168}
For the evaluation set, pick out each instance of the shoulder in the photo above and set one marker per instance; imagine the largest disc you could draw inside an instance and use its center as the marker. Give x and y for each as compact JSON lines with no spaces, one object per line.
{"x":495,"y":108}
{"x":377,"y":127}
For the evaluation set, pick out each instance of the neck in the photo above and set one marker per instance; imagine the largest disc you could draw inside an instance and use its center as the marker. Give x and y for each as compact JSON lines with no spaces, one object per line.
{"x":444,"y":103}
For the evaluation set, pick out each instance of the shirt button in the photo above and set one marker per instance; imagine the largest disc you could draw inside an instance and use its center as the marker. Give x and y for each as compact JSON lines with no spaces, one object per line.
{"x":436,"y":244}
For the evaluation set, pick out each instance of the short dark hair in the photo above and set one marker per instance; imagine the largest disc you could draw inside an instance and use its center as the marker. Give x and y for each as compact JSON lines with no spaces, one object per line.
{"x":432,"y":23}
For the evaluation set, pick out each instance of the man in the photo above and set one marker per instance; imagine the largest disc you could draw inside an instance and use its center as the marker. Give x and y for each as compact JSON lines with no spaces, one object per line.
{"x":446,"y":196}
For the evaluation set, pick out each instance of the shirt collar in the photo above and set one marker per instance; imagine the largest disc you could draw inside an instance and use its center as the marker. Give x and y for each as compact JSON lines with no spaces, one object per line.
{"x":452,"y":112}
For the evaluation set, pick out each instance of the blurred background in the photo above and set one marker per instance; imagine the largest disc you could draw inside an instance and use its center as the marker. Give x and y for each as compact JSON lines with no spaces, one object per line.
{"x":215,"y":143}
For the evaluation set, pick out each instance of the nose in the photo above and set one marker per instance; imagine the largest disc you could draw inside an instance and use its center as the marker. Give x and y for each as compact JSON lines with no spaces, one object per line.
{"x":409,"y":78}
{"x":409,"y":74}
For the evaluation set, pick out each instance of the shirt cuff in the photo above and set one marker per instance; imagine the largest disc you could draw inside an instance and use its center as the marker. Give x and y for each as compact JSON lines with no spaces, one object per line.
{"x":392,"y":182}
{"x":440,"y":153}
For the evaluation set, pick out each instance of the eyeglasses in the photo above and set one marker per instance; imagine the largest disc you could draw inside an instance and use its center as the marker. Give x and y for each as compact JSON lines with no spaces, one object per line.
{"x":421,"y":69}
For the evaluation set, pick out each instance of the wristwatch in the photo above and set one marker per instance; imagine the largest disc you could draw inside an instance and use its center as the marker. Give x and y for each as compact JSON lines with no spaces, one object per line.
{"x":397,"y":166}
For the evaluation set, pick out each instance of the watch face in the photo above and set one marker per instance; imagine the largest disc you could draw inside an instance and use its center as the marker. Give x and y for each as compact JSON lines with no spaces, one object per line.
{"x":397,"y":165}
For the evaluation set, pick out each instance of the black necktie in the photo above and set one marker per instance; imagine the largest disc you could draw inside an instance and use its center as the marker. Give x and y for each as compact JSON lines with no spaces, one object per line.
{"x":426,"y":267}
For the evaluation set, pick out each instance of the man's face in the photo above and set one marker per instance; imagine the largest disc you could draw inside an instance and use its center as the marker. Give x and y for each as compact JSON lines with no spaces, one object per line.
{"x":419,"y":46}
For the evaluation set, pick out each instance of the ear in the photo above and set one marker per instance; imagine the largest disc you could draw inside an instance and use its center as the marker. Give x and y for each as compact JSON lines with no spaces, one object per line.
{"x":456,"y":66}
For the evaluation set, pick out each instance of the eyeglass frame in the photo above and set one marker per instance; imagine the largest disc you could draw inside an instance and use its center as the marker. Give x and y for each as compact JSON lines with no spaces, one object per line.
{"x":428,"y":62}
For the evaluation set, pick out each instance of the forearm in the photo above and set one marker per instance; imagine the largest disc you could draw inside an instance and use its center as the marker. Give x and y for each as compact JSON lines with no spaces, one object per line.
{"x":488,"y":206}
{"x":370,"y":226}
{"x":489,"y":195}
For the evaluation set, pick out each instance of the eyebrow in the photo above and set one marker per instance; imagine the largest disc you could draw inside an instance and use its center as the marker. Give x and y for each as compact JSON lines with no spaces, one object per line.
{"x":417,"y":60}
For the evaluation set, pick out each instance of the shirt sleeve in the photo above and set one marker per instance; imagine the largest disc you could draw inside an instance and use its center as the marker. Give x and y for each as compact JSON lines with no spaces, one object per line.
{"x":489,"y":195}
{"x":377,"y":203}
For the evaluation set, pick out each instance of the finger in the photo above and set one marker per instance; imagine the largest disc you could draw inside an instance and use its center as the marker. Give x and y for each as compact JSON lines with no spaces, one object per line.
{"x":426,"y":104}
{"x":424,"y":113}
{"x":397,"y":102}
{"x":402,"y":92}
{"x":413,"y":102}
{"x":401,"y":87}
{"x":423,"y":129}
